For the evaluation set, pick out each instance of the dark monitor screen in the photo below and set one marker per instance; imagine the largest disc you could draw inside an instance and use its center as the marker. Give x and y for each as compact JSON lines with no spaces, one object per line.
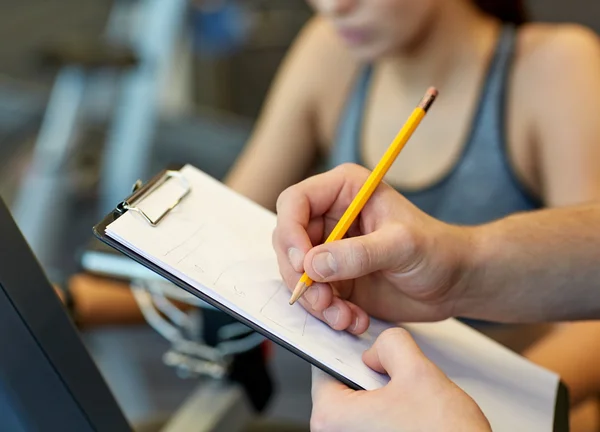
{"x":48,"y":380}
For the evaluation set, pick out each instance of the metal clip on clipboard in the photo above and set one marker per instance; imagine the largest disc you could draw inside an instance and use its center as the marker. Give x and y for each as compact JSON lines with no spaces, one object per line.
{"x":189,"y":356}
{"x":140,"y":192}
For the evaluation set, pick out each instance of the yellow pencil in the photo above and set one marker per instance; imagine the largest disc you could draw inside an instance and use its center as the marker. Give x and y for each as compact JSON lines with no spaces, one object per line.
{"x":372,"y":182}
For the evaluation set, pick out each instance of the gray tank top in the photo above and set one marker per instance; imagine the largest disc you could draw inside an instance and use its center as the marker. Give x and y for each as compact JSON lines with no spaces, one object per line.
{"x":482,"y":186}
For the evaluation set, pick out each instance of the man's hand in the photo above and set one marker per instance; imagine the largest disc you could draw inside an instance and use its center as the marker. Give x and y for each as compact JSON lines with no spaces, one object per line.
{"x":396,"y":264}
{"x":419,"y":396}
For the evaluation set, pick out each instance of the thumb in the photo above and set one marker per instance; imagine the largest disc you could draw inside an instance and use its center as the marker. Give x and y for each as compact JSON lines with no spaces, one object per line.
{"x":391,"y":249}
{"x":395,"y":352}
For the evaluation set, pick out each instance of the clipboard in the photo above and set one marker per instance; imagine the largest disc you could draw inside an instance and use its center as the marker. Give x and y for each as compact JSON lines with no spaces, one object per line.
{"x":142,"y":191}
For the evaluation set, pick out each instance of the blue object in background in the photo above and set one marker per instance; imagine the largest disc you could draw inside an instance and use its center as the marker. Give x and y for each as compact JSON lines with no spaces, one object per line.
{"x":220,"y":27}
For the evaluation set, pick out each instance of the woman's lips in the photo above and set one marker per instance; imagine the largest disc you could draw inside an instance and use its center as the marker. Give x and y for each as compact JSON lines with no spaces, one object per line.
{"x":353,"y":36}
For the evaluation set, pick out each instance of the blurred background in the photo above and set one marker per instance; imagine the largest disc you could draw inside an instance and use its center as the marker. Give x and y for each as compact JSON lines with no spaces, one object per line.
{"x":89,"y":89}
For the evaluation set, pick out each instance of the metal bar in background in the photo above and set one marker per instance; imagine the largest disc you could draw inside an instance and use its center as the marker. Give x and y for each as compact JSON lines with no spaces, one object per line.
{"x":129,"y":142}
{"x":41,"y":203}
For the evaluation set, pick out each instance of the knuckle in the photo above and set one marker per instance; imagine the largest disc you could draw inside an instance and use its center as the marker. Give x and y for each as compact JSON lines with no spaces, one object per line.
{"x":407,"y":242}
{"x":405,"y":236}
{"x":414,"y":364}
{"x":278,"y":241}
{"x":319,"y":422}
{"x":396,"y":335}
{"x":361,"y":256}
{"x":346,"y":168}
{"x":283,"y":198}
{"x":351,"y":169}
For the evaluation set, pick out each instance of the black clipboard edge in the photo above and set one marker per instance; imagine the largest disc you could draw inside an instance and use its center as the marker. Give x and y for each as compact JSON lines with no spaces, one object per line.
{"x":99,"y":231}
{"x":561,"y":408}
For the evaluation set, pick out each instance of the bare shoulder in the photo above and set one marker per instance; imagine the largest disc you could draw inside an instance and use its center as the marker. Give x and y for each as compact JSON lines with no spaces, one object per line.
{"x":552,"y":51}
{"x":558,"y":97}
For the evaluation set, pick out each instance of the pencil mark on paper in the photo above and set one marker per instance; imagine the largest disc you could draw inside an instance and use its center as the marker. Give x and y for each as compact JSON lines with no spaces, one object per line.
{"x":270,"y":298}
{"x":238,"y":291}
{"x":219,"y":277}
{"x":199,"y":268}
{"x":304,"y":326}
{"x":277,"y":310}
{"x":190,"y":252}
{"x":262,"y":309}
{"x":174,"y":248}
{"x":224,"y":271}
{"x":228,"y":269}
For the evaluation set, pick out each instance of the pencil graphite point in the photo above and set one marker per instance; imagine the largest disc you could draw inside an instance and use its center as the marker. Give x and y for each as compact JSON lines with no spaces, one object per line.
{"x":299,"y":290}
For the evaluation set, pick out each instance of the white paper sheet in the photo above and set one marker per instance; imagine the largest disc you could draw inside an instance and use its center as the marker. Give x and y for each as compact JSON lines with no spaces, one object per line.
{"x":220,"y":243}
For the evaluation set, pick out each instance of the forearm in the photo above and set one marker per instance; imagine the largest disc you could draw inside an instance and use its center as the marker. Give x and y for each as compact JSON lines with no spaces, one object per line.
{"x":572,"y":351}
{"x":247,"y":183}
{"x":263,"y":180}
{"x":538,"y":266}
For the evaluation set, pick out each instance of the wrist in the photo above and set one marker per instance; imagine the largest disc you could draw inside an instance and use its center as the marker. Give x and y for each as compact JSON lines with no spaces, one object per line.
{"x":474,"y":252}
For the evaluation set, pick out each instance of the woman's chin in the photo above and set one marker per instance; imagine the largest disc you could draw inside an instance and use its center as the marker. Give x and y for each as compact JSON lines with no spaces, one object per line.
{"x":367,"y":53}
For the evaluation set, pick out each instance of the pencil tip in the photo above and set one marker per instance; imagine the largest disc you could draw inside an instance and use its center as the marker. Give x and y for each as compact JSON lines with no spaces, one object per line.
{"x":298,"y":291}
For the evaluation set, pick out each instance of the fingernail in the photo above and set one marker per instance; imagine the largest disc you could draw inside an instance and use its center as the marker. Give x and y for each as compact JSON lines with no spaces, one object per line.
{"x":296,"y":259}
{"x":324,"y":264}
{"x":312,"y":295}
{"x":354,"y":325}
{"x":332,"y":315}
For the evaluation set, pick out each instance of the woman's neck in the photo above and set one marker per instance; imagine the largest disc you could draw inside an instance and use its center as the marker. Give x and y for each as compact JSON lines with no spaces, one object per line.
{"x":458,"y":37}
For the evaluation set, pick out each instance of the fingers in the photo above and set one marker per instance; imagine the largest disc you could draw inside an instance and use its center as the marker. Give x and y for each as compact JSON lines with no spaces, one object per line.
{"x":360,"y":320}
{"x":299,"y":211}
{"x":291,"y":242}
{"x":318,"y":297}
{"x":331,"y":401}
{"x":344,"y":315}
{"x":300,"y":224}
{"x":391,"y":249}
{"x":316,"y":232}
{"x":339,"y":314}
{"x":332,"y":190}
{"x":325,"y":387}
{"x":320,"y":301}
{"x":395,"y":352}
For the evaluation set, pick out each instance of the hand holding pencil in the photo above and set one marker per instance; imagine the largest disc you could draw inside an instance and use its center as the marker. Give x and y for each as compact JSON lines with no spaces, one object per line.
{"x":372,"y":182}
{"x":394,"y":263}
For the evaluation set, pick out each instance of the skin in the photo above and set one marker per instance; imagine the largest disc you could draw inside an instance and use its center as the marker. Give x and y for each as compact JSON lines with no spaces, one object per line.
{"x":577,"y":366}
{"x":413,"y":45}
{"x":415,"y":382}
{"x":399,"y":264}
{"x":553,"y":97}
{"x":552,"y":103}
